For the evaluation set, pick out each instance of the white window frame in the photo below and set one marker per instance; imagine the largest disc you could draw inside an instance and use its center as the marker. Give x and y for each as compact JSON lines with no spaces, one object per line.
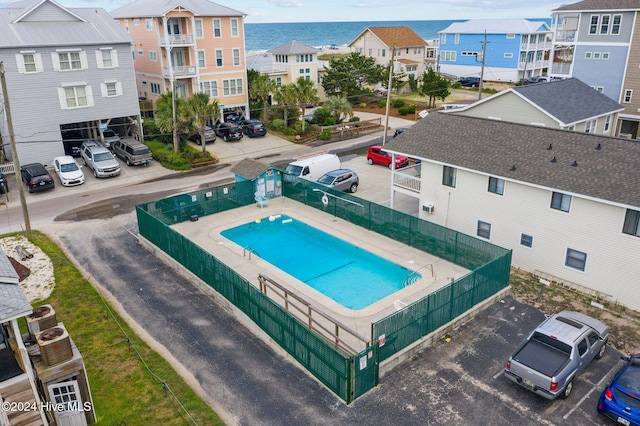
{"x":588,"y":55}
{"x":526,"y":240}
{"x":456,"y":38}
{"x":236,"y":57}
{"x":81,"y":100}
{"x":590,"y":126}
{"x":111,"y":89}
{"x":564,"y":204}
{"x":498,"y":187}
{"x":448,"y":55}
{"x":628,"y":95}
{"x":508,"y":55}
{"x":202,"y":59}
{"x":217,"y":27}
{"x":597,"y":55}
{"x":449,"y":176}
{"x":154,"y":86}
{"x":483,"y":230}
{"x":510,"y":36}
{"x":148,"y":24}
{"x":82,"y":59}
{"x":22,"y":65}
{"x":136,"y":22}
{"x":603,"y":28}
{"x":199,"y":29}
{"x":235,"y":32}
{"x":103,"y":56}
{"x":605,"y":56}
{"x":615,"y":27}
{"x":443,"y":39}
{"x":576,"y":259}
{"x":210,"y":87}
{"x":607,"y":123}
{"x":232,"y":87}
{"x":126,"y":25}
{"x":594,"y":25}
{"x":219,"y":58}
{"x":153,"y":56}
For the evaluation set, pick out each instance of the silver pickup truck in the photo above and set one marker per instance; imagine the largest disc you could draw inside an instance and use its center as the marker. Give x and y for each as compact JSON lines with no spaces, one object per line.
{"x":555,"y":352}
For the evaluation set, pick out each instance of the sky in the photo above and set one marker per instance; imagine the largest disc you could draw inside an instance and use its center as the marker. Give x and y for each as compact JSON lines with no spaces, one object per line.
{"x":269,"y":11}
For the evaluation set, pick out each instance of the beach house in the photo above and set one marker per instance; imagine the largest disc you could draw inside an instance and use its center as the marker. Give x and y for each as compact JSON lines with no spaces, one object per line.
{"x":508,"y":49}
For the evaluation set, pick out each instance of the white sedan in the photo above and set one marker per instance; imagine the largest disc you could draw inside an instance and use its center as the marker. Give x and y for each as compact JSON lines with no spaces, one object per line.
{"x":68,"y":171}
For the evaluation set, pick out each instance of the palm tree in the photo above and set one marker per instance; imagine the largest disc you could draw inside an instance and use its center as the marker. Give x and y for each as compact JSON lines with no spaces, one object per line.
{"x":200,"y":109}
{"x":340,"y":108}
{"x":285,"y":95}
{"x":167,"y":121}
{"x":306,"y":93}
{"x":260,"y":88}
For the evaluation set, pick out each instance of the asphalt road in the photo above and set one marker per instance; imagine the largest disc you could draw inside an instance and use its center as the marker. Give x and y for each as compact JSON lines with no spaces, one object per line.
{"x":248,"y":383}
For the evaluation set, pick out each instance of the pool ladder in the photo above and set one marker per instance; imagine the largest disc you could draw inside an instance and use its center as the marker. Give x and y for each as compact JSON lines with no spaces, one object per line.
{"x":248,"y":250}
{"x":413,"y":276}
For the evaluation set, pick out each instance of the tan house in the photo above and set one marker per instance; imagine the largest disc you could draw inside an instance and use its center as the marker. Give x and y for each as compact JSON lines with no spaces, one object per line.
{"x":195,"y":46}
{"x":410,"y":49}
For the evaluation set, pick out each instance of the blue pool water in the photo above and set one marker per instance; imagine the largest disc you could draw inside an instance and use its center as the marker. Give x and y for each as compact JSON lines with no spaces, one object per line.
{"x":351,"y":276}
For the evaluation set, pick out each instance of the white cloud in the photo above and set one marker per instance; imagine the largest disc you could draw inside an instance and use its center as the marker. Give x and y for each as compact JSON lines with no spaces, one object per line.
{"x":286,"y":3}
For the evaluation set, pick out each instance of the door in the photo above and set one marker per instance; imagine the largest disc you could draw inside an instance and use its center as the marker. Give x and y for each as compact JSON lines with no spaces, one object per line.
{"x":173,"y":26}
{"x":69,"y":407}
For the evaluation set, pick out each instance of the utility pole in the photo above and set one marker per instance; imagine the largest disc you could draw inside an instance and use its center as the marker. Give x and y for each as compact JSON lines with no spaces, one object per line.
{"x":14,"y":152}
{"x":386,"y":114}
{"x":484,"y":54}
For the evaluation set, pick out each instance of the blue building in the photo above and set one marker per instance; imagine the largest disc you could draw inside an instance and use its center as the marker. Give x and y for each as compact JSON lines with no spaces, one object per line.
{"x":511,"y":49}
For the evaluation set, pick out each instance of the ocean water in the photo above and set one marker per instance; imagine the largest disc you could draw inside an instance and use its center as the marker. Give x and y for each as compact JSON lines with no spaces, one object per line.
{"x":268,"y":36}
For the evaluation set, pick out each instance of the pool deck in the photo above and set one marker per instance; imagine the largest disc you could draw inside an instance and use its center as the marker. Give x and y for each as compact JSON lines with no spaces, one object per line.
{"x":206,"y":233}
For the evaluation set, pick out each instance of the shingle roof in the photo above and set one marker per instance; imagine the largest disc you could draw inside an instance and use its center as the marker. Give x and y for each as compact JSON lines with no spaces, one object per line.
{"x":63,"y":28}
{"x":249,"y":168}
{"x":611,"y":173}
{"x":157,"y":8}
{"x":497,"y":26}
{"x":13,"y":302}
{"x":601,"y":5}
{"x":401,"y":35}
{"x":569,"y":101}
{"x":293,"y":48}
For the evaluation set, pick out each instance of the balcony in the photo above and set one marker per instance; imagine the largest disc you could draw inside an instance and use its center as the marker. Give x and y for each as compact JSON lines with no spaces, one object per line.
{"x":535,"y":46}
{"x":408,"y":178}
{"x":177,"y":40}
{"x":565,"y":36}
{"x":180,"y":72}
{"x":532,"y":65}
{"x":561,"y":68}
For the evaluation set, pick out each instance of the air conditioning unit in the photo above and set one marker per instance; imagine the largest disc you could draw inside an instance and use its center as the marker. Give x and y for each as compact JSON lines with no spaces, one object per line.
{"x":40,"y":319}
{"x":55,"y":345}
{"x":428,"y":208}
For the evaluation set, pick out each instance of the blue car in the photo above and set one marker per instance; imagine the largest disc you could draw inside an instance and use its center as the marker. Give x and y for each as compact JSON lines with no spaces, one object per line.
{"x":620,"y":401}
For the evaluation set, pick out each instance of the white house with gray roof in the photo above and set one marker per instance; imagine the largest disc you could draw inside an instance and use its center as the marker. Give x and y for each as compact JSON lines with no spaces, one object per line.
{"x":566,"y":104}
{"x":69,"y":74}
{"x":566,"y":203}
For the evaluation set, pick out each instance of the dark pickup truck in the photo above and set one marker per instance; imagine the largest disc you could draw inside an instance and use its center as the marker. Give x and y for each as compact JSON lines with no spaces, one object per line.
{"x":555,"y":352}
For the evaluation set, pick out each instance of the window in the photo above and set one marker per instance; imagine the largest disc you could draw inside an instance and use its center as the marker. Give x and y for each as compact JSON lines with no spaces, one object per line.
{"x":198,"y":25}
{"x":508,"y":55}
{"x":148,"y":24}
{"x":210,"y":88}
{"x":217,"y":32}
{"x":219,"y":58}
{"x":588,"y":55}
{"x":69,"y":61}
{"x":133,"y":54}
{"x":29,"y":62}
{"x":136,"y":22}
{"x":140,"y":52}
{"x":576,"y":259}
{"x":627,"y":96}
{"x":604,"y":24}
{"x":607,"y":123}
{"x":382,"y":52}
{"x":615,"y":26}
{"x":590,"y":126}
{"x":593,"y":25}
{"x":526,"y":240}
{"x":111,"y":89}
{"x":444,"y":39}
{"x":484,"y":229}
{"x":79,"y":96}
{"x":510,"y":36}
{"x":456,"y":39}
{"x":153,"y":56}
{"x":236,"y":57}
{"x":126,"y":25}
{"x":232,"y":87}
{"x":155,"y":88}
{"x":107,"y":58}
{"x":560,"y":201}
{"x":301,"y":70}
{"x":448,"y":55}
{"x":600,"y":89}
{"x":449,"y":176}
{"x":596,"y":55}
{"x":496,"y":185}
{"x":234,"y":27}
{"x":582,"y":347}
{"x":632,"y":223}
{"x":605,"y":56}
{"x":202,"y":63}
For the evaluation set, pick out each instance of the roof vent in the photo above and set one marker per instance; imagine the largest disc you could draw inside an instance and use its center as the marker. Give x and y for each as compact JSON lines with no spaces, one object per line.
{"x":599,"y":147}
{"x":513,"y":168}
{"x":550,"y":147}
{"x":553,"y":160}
{"x":575,"y":164}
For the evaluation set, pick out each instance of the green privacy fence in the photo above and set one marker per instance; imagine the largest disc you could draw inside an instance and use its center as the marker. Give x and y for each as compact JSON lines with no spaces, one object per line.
{"x":489,"y":264}
{"x":328,"y":365}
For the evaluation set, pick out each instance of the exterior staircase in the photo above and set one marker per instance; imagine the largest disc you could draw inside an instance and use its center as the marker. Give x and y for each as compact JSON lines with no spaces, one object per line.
{"x":18,"y":389}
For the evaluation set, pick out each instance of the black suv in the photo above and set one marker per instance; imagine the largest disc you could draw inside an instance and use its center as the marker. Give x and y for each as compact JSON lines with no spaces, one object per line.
{"x":36,"y":177}
{"x":4,"y":185}
{"x":469,"y":81}
{"x":228,"y":131}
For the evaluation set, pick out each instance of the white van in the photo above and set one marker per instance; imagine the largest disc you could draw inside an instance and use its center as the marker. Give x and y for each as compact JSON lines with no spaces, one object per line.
{"x":312,"y":168}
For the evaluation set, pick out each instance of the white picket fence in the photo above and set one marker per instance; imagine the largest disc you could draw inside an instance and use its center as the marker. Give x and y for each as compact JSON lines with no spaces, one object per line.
{"x":7,"y":168}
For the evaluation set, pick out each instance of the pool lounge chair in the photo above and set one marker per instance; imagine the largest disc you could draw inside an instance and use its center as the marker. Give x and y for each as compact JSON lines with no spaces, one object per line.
{"x":261,"y":200}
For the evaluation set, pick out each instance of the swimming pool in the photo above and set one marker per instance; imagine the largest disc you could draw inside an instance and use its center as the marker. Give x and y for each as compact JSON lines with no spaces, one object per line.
{"x":350,"y":275}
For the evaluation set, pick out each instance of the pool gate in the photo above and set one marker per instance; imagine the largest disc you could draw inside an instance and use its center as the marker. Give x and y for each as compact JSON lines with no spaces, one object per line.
{"x":347,"y":375}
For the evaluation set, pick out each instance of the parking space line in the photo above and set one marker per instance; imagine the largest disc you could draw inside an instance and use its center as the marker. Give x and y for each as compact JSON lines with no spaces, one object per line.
{"x":594,"y":387}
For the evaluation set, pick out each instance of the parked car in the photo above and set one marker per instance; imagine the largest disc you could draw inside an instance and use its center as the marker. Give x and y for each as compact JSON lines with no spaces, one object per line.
{"x":399,"y":131}
{"x":232,"y":118}
{"x":253,"y":128}
{"x":99,"y":160}
{"x":620,"y":401}
{"x":469,"y":81}
{"x":533,"y":80}
{"x":228,"y":131}
{"x":209,"y":136}
{"x":36,"y":177}
{"x":548,"y":361}
{"x":68,"y":171}
{"x":309,"y":118}
{"x":72,"y":140}
{"x":377,"y":156}
{"x":380,"y":91}
{"x":133,"y":153}
{"x":109,"y":138}
{"x":4,"y":185}
{"x":341,"y":179}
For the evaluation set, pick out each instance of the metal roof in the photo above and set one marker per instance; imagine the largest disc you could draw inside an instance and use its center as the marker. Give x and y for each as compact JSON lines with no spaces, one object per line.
{"x":293,"y":48}
{"x":46,"y":23}
{"x":595,"y":5}
{"x":159,"y":8}
{"x":588,"y":165}
{"x":497,"y":26}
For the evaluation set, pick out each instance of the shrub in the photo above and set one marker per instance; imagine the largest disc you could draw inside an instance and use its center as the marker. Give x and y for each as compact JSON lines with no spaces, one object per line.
{"x":363,"y":105}
{"x":289,"y":131}
{"x":382,"y":103}
{"x":353,"y":119}
{"x":321,"y":115}
{"x":329,"y":121}
{"x":277,"y":124}
{"x":403,"y":110}
{"x":325,"y":135}
{"x":412,"y":108}
{"x":398,"y":103}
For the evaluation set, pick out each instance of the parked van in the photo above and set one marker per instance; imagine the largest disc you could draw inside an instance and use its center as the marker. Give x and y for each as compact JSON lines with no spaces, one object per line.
{"x":312,"y":168}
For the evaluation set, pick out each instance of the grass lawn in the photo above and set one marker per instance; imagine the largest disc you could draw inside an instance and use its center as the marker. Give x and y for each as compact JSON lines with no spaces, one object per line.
{"x":126,"y":376}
